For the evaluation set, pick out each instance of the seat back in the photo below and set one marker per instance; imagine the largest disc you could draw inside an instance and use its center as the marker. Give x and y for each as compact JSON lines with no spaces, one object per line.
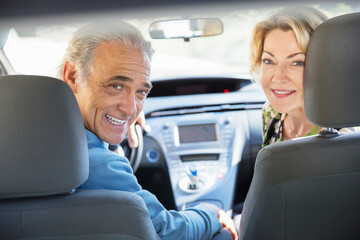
{"x":43,"y":158}
{"x":309,"y":188}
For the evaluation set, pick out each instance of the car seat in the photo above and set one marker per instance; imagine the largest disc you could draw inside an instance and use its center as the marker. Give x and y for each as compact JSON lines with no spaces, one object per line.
{"x":43,"y":158}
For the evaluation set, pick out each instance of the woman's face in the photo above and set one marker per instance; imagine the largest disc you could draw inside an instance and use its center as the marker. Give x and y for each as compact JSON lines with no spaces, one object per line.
{"x":282,"y":71}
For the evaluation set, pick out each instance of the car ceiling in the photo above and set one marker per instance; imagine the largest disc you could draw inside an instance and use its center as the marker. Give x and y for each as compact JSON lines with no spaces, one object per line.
{"x":24,"y":8}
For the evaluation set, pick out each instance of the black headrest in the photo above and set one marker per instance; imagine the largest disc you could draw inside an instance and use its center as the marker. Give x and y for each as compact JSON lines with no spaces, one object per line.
{"x":332,"y":73}
{"x":43,"y":148}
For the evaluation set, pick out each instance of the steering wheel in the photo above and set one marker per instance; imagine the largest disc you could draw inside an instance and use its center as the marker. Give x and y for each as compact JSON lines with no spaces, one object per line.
{"x":134,"y":154}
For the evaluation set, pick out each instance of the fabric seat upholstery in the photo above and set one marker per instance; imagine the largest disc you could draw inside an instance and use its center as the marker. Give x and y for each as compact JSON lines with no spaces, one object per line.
{"x":309,"y":188}
{"x":44,"y":157}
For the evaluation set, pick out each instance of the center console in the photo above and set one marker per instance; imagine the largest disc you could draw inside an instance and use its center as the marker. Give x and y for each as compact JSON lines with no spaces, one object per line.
{"x":202,"y":152}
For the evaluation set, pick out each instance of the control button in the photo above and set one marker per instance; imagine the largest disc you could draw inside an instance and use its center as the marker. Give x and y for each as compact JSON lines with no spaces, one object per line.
{"x":152,"y":155}
{"x":166,"y":125}
{"x":219,"y":176}
{"x":227,"y":121}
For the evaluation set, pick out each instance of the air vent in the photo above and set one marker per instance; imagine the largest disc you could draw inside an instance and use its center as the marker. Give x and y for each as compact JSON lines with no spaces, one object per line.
{"x":190,"y":86}
{"x":203,"y":109}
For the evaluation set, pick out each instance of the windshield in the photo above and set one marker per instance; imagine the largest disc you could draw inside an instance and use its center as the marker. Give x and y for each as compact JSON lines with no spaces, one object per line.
{"x":38,"y":49}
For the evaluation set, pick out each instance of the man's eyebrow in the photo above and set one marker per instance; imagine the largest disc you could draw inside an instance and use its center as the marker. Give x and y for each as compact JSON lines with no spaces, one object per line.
{"x":121,"y":78}
{"x":127,"y":79}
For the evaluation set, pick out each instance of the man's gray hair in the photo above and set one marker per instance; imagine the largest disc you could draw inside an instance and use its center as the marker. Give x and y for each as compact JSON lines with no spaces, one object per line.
{"x":80,"y":50}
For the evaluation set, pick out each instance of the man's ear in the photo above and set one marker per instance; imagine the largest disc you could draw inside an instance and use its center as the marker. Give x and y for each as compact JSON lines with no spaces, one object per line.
{"x":70,"y":76}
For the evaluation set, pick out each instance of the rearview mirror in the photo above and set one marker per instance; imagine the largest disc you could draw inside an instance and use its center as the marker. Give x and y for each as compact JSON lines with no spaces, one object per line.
{"x":186,"y":28}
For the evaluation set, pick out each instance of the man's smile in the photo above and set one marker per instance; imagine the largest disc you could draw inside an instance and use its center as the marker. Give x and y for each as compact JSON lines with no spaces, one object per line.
{"x":114,"y":120}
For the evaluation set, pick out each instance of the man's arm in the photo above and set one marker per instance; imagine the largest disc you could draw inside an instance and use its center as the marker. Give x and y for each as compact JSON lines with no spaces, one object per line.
{"x":111,"y":171}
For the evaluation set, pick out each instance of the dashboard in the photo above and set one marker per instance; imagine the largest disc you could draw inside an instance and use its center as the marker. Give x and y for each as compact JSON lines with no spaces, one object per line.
{"x":191,"y":86}
{"x":201,"y":141}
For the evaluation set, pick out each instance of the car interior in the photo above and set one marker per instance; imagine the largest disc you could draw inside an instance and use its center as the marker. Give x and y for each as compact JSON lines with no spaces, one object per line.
{"x":202,"y":138}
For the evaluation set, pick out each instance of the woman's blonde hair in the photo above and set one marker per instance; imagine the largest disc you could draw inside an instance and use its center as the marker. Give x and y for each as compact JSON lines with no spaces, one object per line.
{"x":301,"y":20}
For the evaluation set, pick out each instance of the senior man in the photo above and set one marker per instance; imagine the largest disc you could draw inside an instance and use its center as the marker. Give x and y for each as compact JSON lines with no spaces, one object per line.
{"x":108,"y":69}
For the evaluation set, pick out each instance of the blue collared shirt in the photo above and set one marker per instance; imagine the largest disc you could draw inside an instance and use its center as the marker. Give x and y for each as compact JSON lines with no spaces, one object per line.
{"x":111,"y":171}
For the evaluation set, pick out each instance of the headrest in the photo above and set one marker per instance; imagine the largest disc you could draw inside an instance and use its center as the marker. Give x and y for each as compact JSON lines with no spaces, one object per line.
{"x":332,"y":73}
{"x":43,"y":148}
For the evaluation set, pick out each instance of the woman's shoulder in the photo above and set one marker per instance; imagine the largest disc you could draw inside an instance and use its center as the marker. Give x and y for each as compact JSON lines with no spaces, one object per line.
{"x":272,"y":124}
{"x":267,"y":106}
{"x":269,"y":113}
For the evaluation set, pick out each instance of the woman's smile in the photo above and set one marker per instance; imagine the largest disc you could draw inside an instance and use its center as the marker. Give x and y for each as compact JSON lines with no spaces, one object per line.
{"x":282,"y":93}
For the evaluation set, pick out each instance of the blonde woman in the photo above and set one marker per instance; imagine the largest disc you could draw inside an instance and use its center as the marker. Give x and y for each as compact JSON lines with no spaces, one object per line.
{"x":277,"y":59}
{"x":278,"y":53}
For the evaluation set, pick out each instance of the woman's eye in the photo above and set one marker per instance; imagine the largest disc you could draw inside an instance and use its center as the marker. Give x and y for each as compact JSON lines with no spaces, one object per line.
{"x":299,"y":63}
{"x":267,"y":61}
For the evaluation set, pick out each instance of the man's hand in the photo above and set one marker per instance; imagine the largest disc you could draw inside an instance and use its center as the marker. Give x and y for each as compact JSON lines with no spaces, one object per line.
{"x":228,"y":223}
{"x":131,"y":135}
{"x":224,"y":219}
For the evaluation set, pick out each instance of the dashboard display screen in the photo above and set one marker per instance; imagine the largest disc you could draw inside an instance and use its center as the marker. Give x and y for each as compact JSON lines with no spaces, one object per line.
{"x":197,"y":133}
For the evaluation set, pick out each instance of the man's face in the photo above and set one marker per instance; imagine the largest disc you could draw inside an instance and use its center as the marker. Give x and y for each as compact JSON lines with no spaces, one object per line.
{"x":115,"y":91}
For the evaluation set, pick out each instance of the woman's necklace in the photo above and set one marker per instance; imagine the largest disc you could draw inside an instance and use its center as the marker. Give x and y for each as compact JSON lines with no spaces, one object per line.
{"x":292,"y":130}
{"x":291,"y":127}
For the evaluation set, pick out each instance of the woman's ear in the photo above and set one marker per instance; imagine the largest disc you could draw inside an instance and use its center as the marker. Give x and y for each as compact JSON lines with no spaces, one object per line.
{"x":70,"y":76}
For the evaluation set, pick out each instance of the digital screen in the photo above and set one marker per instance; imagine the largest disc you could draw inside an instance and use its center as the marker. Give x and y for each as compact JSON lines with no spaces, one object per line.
{"x":197,"y":133}
{"x":199,"y":157}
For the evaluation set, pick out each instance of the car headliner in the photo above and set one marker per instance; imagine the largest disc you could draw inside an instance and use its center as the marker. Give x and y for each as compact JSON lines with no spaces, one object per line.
{"x":22,"y":8}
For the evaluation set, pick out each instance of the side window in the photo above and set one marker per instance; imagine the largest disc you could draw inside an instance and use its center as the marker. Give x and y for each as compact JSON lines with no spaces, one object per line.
{"x":4,"y":33}
{"x":5,"y":66}
{"x":2,"y":70}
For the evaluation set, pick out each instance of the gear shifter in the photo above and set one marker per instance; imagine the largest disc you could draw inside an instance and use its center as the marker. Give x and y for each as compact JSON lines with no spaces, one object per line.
{"x":192,"y":173}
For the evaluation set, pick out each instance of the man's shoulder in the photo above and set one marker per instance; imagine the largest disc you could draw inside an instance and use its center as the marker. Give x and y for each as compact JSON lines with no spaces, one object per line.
{"x":99,"y":153}
{"x":93,"y":140}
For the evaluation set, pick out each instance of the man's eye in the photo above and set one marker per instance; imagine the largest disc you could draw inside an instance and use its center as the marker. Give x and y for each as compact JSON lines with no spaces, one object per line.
{"x":143,"y":93}
{"x":299,"y":63}
{"x":117,"y":87}
{"x":267,"y":61}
